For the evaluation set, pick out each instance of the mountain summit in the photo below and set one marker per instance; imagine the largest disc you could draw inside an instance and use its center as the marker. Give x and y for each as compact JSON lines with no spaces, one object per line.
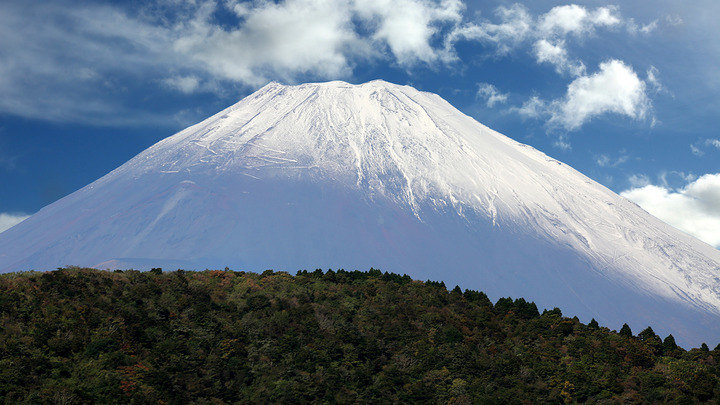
{"x":354,"y":176}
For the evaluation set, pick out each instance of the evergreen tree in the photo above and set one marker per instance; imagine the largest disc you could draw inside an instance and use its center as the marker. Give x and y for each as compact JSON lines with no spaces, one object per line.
{"x":704,"y":347}
{"x":652,"y":340}
{"x":625,"y":331}
{"x":669,"y":344}
{"x":593,"y":324}
{"x":647,"y":334}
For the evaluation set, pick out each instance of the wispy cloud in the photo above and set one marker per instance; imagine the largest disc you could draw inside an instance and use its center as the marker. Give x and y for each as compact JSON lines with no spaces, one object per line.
{"x":699,"y":148}
{"x":491,"y":94}
{"x":62,"y":63}
{"x":605,"y":160}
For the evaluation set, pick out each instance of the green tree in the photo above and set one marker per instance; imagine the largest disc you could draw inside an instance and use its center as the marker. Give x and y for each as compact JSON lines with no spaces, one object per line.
{"x":669,"y":344}
{"x":625,"y":331}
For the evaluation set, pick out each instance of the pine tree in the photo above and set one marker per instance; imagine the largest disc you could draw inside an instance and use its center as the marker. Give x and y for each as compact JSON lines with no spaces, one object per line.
{"x":669,"y":344}
{"x":625,"y":331}
{"x":593,"y":324}
{"x":647,"y":334}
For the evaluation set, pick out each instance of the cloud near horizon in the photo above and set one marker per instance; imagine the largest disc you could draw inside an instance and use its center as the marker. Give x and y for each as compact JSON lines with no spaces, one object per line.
{"x":694,"y":208}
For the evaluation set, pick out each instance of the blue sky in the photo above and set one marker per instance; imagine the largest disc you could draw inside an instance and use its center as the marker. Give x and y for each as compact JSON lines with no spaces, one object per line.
{"x":628,"y":93}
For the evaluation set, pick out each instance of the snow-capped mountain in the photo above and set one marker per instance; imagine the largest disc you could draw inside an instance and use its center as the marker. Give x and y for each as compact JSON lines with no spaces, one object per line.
{"x":353,"y":176}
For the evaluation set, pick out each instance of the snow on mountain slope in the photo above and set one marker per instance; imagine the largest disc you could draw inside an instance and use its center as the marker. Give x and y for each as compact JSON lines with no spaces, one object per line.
{"x":339,"y":175}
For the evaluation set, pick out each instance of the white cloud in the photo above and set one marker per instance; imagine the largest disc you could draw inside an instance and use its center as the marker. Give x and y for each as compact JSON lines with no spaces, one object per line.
{"x":183,"y":84}
{"x":556,"y":55}
{"x":491,"y":94}
{"x":317,"y":38}
{"x":694,"y":209}
{"x":61,"y":63}
{"x":562,"y":144}
{"x":9,"y":220}
{"x":91,"y":58}
{"x":574,"y":19}
{"x":514,"y":27}
{"x":639,"y":180}
{"x":604,"y":160}
{"x":653,"y":80}
{"x":547,"y":32}
{"x":532,"y":108}
{"x":699,"y":147}
{"x":634,"y":28}
{"x":615,"y":88}
{"x":279,"y":40}
{"x":408,"y":26}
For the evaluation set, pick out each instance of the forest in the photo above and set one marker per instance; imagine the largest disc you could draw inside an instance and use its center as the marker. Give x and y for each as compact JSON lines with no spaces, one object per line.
{"x":77,"y":335}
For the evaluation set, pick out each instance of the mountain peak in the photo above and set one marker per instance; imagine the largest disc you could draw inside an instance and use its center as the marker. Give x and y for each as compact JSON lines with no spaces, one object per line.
{"x":377,"y":174}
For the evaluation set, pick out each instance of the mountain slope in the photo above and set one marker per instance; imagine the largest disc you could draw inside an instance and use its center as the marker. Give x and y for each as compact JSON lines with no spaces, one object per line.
{"x":340,"y":175}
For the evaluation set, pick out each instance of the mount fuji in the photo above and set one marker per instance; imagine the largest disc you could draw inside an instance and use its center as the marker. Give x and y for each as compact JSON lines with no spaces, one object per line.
{"x":353,"y":176}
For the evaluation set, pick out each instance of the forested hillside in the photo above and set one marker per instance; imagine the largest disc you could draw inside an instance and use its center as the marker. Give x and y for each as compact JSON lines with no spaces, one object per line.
{"x":80,"y":335}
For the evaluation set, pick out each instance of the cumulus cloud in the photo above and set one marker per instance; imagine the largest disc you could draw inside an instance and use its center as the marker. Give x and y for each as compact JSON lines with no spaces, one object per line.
{"x":7,"y":220}
{"x":694,"y":208}
{"x":491,"y":94}
{"x":615,"y":88}
{"x":280,"y":40}
{"x":317,"y":38}
{"x":408,"y":26}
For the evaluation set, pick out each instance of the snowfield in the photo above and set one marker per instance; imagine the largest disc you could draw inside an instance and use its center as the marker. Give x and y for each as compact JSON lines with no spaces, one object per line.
{"x":353,"y":176}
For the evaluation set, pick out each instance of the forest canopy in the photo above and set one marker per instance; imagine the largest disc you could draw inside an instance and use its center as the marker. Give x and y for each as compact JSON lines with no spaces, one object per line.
{"x":80,"y":335}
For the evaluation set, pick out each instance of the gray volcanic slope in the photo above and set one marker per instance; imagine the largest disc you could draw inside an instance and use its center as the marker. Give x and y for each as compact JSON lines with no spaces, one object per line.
{"x":353,"y":176}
